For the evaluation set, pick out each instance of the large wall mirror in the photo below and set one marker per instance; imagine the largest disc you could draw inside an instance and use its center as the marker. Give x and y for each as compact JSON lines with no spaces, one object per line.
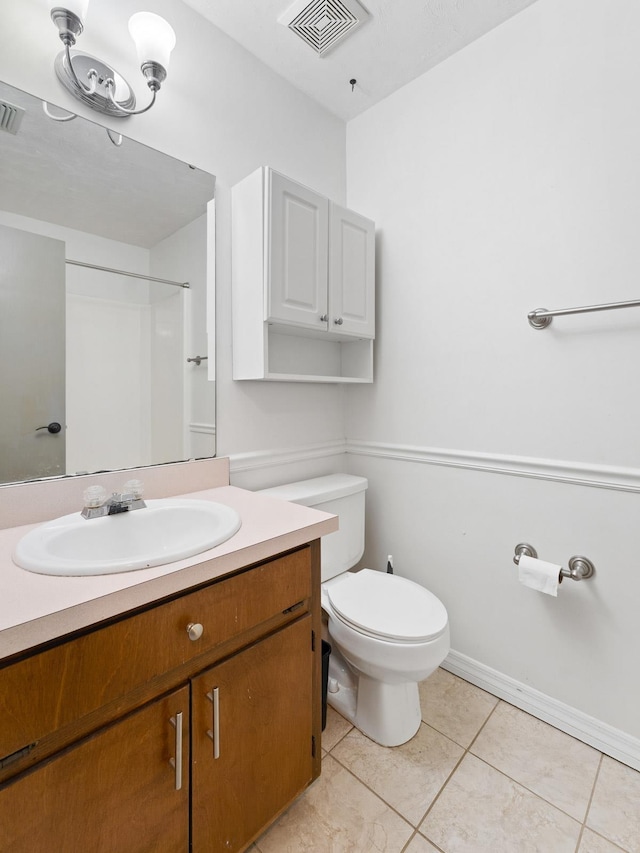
{"x":103,"y":299}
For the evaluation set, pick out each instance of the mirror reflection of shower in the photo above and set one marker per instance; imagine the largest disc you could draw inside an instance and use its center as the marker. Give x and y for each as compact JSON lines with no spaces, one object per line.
{"x":121,"y":384}
{"x":125,"y":378}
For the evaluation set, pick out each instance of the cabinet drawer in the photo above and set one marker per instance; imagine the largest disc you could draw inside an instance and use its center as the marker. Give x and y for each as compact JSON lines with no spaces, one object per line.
{"x":54,"y":688}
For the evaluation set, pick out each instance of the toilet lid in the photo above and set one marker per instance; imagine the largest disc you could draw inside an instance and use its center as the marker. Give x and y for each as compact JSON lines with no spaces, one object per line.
{"x":388,"y":606}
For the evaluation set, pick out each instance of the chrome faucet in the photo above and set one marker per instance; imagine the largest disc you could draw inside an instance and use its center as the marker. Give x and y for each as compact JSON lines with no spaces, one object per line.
{"x":97,"y":505}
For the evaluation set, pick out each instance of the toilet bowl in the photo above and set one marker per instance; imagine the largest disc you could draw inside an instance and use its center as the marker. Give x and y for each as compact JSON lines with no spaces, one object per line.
{"x":387,"y":633}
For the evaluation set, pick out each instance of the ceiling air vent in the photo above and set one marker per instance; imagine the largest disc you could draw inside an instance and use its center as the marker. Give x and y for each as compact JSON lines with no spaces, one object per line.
{"x":323,"y":23}
{"x":10,"y":117}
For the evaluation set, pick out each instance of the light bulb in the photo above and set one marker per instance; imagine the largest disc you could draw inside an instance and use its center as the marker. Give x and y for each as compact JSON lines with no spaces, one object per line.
{"x":153,"y":36}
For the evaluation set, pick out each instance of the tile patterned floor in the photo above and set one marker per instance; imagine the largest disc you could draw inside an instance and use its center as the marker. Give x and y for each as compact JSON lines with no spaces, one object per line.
{"x":480,"y":776}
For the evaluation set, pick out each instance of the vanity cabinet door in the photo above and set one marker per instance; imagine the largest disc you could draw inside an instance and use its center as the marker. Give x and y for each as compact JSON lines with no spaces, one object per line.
{"x":116,"y":791}
{"x":251,"y":738}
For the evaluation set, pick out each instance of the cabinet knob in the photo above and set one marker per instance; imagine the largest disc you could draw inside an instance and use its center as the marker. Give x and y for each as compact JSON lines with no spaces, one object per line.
{"x":195,"y":630}
{"x":323,"y":318}
{"x":339,"y":321}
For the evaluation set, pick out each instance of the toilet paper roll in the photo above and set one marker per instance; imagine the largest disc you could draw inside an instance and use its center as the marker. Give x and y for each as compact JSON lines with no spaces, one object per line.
{"x":539,"y":575}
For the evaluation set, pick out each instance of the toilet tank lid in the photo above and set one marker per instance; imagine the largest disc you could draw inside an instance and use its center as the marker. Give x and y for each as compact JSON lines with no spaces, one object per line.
{"x":318,"y":490}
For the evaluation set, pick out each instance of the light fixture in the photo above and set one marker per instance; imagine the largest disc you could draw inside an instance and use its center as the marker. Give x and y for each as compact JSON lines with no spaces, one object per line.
{"x":97,"y":84}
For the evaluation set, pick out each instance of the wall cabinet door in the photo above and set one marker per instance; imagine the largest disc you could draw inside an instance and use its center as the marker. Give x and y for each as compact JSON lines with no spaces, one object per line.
{"x":117,"y":790}
{"x":351,"y":273}
{"x":321,"y":262}
{"x":296,"y":247}
{"x":251,"y":738}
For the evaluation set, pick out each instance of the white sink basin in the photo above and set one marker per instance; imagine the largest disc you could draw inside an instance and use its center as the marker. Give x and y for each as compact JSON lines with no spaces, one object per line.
{"x":165,"y":531}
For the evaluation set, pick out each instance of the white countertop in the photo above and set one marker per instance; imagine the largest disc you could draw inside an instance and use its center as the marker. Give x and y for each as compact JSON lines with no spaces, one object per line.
{"x":35,"y":608}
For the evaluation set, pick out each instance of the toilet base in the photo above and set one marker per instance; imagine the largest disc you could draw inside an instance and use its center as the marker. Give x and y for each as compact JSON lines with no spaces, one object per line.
{"x":389,"y":714}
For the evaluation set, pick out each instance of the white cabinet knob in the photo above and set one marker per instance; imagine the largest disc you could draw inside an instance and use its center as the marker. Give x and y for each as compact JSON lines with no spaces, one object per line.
{"x":195,"y":630}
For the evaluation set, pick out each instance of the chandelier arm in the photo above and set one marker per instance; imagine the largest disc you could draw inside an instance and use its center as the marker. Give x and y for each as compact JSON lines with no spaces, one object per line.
{"x":92,"y":74}
{"x":116,"y":138}
{"x":110,"y":86}
{"x":49,"y":114}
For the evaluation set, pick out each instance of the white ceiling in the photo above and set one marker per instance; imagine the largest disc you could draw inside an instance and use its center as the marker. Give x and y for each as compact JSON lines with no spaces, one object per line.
{"x":399,"y":41}
{"x":70,"y":173}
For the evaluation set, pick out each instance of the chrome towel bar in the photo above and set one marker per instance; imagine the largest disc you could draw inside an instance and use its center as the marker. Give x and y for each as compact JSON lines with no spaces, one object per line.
{"x":541,"y":317}
{"x":580,"y":568}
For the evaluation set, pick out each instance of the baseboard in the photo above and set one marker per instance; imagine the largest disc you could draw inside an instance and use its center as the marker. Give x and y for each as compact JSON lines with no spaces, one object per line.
{"x":611,"y":741}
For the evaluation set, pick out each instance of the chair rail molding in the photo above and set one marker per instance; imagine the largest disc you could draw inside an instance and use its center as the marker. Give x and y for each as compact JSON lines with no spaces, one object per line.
{"x":617,"y":478}
{"x":271,"y":458}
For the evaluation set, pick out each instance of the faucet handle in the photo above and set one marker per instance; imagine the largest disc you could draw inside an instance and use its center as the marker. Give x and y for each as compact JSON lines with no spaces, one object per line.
{"x":134,"y":488}
{"x":94,"y":496}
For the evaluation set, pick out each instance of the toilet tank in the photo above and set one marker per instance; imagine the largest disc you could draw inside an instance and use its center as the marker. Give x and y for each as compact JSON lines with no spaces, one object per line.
{"x":342,"y":495}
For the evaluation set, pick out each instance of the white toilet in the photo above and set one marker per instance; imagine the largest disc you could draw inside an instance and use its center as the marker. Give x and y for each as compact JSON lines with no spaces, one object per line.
{"x":387,"y":633}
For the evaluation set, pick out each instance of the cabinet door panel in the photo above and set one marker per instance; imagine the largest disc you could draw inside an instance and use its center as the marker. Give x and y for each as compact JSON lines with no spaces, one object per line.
{"x":297,"y":250}
{"x":265,"y":709}
{"x":351,"y":274}
{"x":115,"y":791}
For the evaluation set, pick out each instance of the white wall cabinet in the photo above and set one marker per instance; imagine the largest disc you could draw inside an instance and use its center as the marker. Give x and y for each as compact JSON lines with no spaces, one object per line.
{"x":303,"y":284}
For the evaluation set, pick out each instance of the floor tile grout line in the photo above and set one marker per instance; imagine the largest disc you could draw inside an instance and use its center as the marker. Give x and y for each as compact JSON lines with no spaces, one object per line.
{"x":530,"y":790}
{"x":422,"y":722}
{"x":375,"y":794}
{"x":493,"y":696}
{"x":406,"y":846}
{"x":457,"y":765}
{"x":593,"y":791}
{"x":608,"y":840}
{"x":342,"y":737}
{"x":418,"y":834}
{"x":480,"y":730}
{"x":526,"y":788}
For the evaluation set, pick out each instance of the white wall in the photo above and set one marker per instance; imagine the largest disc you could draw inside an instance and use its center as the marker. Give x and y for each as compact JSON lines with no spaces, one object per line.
{"x":182,"y":256}
{"x":223,"y":111}
{"x":108,"y":366}
{"x":505,"y":179}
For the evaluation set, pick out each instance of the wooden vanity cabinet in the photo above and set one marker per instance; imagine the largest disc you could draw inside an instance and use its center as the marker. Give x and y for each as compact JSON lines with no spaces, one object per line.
{"x":252,"y":738}
{"x":202,"y":756}
{"x":116,"y":791}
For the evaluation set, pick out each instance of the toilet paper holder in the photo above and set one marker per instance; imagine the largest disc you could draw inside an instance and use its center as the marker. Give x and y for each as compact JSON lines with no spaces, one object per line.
{"x":580,"y":568}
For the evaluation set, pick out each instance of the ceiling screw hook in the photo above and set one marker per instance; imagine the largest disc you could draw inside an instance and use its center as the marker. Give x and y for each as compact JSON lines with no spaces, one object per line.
{"x":353,"y":82}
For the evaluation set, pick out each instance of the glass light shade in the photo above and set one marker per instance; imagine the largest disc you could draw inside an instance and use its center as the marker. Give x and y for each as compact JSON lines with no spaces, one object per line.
{"x":78,"y":7}
{"x":153,"y":36}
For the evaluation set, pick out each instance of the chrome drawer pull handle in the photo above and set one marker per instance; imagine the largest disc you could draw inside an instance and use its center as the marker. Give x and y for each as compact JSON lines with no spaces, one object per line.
{"x":176,"y":762}
{"x":214,"y":697}
{"x":195,"y":630}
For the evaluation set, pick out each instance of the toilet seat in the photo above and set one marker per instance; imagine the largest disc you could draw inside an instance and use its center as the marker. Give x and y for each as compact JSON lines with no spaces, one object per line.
{"x":387,"y":607}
